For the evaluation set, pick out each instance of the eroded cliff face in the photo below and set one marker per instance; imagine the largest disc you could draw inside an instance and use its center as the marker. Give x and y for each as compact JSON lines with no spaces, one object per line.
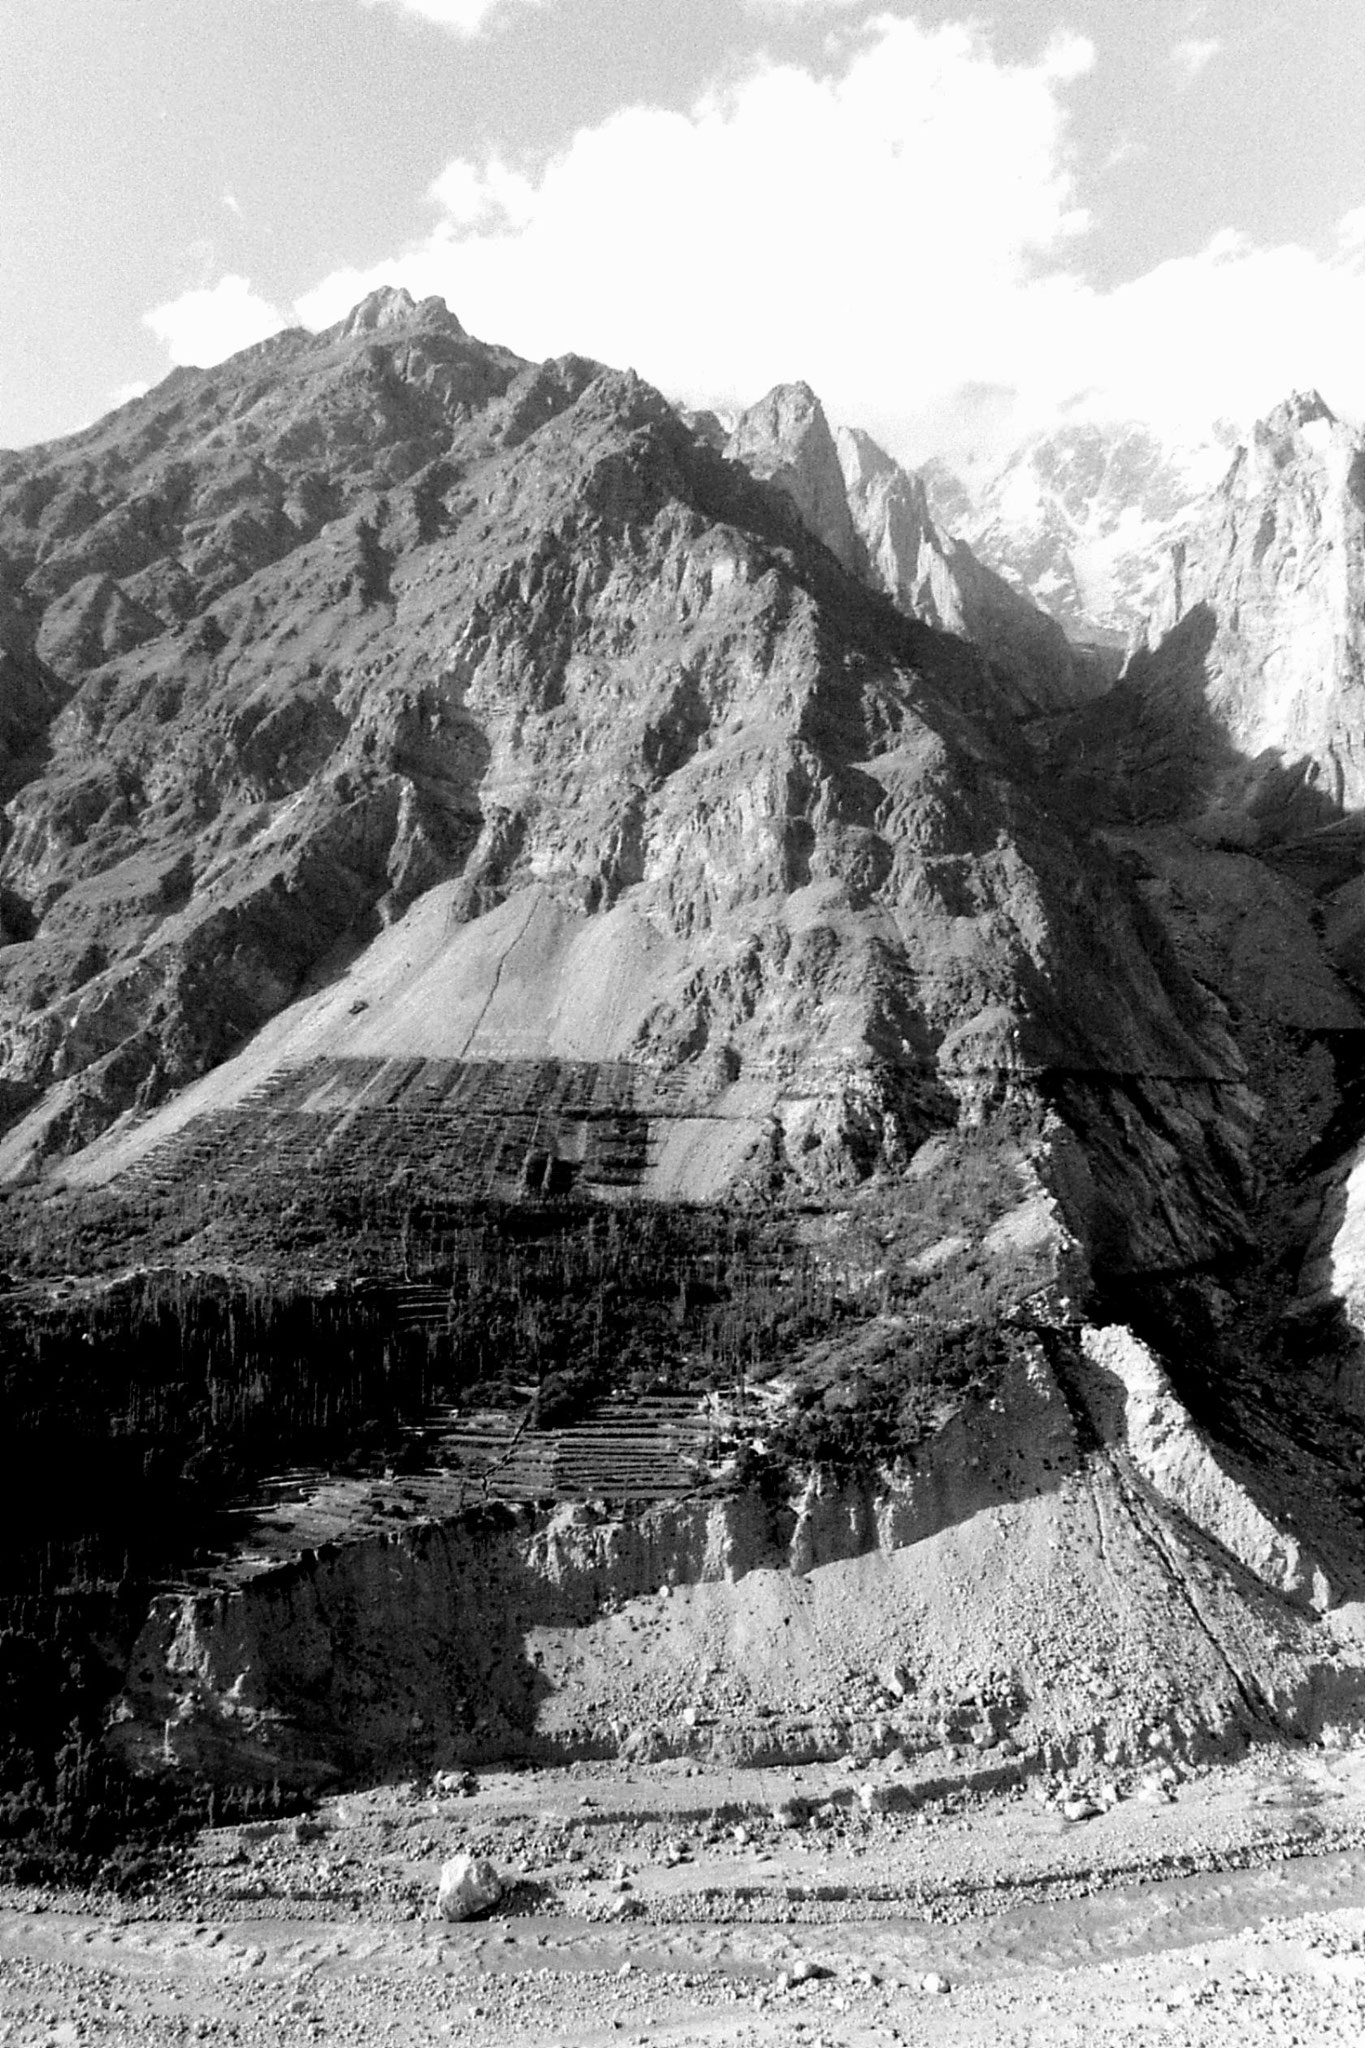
{"x":785,"y":440}
{"x":1053,"y":1570}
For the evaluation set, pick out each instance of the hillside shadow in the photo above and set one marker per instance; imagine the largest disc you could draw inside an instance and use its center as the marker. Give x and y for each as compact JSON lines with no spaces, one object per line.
{"x":1278,"y":1386}
{"x":1151,"y":751}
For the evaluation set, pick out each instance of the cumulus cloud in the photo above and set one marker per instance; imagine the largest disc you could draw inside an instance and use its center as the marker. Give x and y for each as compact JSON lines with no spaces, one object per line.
{"x":907,"y":234}
{"x":208,"y":325}
{"x":461,"y":17}
{"x":1191,"y":55}
{"x":1228,"y":332}
{"x":869,"y":231}
{"x":1351,"y":232}
{"x":492,"y":197}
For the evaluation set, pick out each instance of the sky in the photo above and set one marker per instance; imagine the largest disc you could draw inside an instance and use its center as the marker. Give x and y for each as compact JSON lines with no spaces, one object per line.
{"x":960,"y":224}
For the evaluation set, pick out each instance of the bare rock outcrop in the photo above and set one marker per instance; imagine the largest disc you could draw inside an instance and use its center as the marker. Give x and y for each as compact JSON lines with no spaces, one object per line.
{"x":934,"y":577}
{"x":469,"y":1886}
{"x":1256,"y":652}
{"x":785,"y":440}
{"x":1141,"y":1411}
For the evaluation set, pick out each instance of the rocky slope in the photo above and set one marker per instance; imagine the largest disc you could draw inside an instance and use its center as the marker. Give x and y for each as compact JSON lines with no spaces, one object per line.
{"x":936,"y":577}
{"x":400,"y":623}
{"x":874,"y":517}
{"x":1257,"y":635}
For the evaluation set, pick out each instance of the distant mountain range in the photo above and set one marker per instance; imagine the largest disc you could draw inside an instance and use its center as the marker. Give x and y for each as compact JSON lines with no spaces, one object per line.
{"x":1080,"y":517}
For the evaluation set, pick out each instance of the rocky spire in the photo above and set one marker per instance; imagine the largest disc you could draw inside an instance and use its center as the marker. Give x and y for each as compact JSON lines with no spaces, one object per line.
{"x":785,"y":440}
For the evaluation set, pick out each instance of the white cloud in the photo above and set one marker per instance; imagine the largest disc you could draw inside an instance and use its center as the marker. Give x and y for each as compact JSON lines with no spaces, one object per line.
{"x":123,"y":394}
{"x":461,"y":17}
{"x":494,"y":197}
{"x":907,"y":235}
{"x":204,"y":327}
{"x":870,"y":232}
{"x":1228,"y":332}
{"x":1351,"y":232}
{"x":1068,"y":57}
{"x":1192,"y":54}
{"x":232,"y":203}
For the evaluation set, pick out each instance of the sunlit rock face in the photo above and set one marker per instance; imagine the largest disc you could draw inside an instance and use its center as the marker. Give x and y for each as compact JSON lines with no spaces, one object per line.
{"x":1258,"y":636}
{"x":785,"y":440}
{"x":383,"y":639}
{"x":874,"y":517}
{"x":1082,"y":517}
{"x":937,"y":578}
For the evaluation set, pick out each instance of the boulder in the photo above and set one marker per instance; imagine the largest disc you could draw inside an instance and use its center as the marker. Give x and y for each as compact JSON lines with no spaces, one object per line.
{"x":469,"y":1885}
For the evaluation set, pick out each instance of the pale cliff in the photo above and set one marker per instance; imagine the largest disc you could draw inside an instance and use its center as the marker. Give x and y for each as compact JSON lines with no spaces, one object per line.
{"x":1257,"y":643}
{"x":753,"y":1629}
{"x":785,"y":440}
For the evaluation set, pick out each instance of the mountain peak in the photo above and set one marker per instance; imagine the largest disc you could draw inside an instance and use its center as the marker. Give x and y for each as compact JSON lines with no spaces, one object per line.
{"x":392,"y":306}
{"x":785,"y":439}
{"x":861,"y":458}
{"x":1299,"y":410}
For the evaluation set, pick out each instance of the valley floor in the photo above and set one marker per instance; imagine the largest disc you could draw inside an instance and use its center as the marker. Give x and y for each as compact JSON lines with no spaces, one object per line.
{"x":689,"y":1904}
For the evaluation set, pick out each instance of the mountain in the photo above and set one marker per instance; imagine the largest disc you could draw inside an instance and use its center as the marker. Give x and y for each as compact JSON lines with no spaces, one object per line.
{"x":1259,"y":622}
{"x":412,"y":628}
{"x":937,"y":578}
{"x":874,"y":517}
{"x":785,"y":440}
{"x":1079,"y":519}
{"x":604,"y":965}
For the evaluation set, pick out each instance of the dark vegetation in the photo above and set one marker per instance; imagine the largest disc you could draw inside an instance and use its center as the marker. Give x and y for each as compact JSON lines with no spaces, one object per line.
{"x":163,"y":1353}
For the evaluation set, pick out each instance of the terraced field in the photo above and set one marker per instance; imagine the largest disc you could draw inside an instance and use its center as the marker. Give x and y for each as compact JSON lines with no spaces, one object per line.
{"x":645,"y":1448}
{"x":434,"y":1130}
{"x":652,"y":1448}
